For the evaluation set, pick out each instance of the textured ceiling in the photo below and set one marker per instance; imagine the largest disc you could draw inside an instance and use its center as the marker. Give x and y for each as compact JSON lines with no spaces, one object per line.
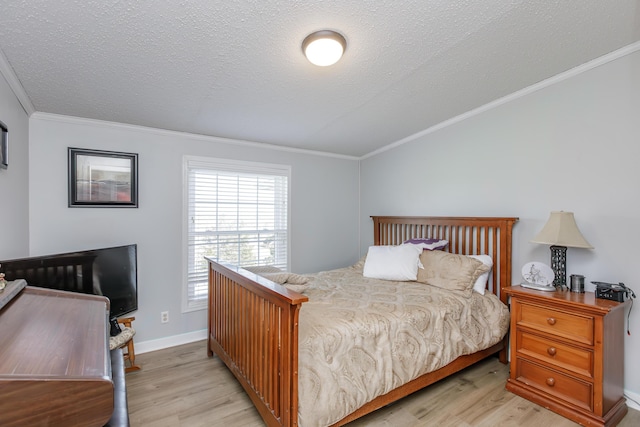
{"x":235,"y":69}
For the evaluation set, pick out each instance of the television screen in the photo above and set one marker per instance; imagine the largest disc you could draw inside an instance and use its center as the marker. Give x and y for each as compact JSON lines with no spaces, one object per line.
{"x":111,"y":272}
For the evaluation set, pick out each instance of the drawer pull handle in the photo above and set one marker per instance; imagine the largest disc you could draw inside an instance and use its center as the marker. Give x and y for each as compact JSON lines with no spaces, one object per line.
{"x":551,"y":382}
{"x":551,"y":351}
{"x":551,"y":321}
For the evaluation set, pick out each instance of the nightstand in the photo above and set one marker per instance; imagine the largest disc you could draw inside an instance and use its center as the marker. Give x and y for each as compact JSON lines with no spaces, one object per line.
{"x":567,"y":354}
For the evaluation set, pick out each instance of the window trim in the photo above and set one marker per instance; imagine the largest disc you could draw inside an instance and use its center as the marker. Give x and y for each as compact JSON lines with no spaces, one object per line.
{"x":232,"y":166}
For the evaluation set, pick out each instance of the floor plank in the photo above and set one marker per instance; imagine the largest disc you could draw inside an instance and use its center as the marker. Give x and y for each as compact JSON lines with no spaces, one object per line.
{"x":181,"y":386}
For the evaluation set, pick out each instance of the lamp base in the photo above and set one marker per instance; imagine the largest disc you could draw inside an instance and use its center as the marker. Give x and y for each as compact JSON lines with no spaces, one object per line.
{"x":559,"y":266}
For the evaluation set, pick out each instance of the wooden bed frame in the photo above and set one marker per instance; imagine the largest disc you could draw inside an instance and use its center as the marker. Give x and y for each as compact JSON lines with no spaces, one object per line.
{"x":253,"y":322}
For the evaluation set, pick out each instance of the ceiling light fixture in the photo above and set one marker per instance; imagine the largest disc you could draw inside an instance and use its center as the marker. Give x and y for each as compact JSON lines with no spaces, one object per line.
{"x":324,"y":47}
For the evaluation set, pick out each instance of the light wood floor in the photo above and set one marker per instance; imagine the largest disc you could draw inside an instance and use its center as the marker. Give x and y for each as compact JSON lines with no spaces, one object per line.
{"x":181,"y":386}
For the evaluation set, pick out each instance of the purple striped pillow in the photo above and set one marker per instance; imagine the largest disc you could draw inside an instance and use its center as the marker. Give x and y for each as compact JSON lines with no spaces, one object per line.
{"x":428,"y":244}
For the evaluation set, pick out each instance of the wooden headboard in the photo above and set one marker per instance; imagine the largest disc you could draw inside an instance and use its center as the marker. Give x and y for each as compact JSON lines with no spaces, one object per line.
{"x":466,"y":235}
{"x":70,"y":272}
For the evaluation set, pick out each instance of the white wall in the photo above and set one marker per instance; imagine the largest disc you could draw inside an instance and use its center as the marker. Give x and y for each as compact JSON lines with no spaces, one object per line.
{"x":324,"y":208}
{"x":14,"y":181}
{"x":573,"y":146}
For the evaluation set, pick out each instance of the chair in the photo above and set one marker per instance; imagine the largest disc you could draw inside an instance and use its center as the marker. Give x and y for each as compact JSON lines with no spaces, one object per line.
{"x":124,"y":340}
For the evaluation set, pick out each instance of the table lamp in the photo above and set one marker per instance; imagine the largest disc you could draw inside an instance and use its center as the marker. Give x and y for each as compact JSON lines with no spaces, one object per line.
{"x":561,"y":232}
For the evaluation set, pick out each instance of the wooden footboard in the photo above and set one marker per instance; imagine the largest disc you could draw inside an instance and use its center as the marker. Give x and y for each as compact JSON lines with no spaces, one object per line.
{"x":253,"y":328}
{"x":253,"y":322}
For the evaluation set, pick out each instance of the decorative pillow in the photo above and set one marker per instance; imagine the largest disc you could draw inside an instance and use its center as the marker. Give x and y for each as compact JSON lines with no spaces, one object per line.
{"x":481,"y":281}
{"x":122,"y":338}
{"x":450,"y":271}
{"x":260,"y":269}
{"x":296,"y":287}
{"x":292,"y":281}
{"x":398,"y":263}
{"x":429,"y":244}
{"x":283,"y":278}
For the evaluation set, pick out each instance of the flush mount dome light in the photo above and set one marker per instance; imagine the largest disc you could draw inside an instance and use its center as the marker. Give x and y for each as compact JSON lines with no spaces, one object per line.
{"x":324,"y":47}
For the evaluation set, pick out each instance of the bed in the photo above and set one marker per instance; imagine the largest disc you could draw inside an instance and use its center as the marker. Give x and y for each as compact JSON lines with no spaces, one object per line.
{"x":254,"y":323}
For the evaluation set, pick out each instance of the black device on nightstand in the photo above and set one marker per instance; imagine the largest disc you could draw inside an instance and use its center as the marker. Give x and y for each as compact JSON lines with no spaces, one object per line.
{"x":614,"y":292}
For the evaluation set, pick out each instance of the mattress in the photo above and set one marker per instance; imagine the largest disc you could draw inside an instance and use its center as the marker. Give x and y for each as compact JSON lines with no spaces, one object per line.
{"x":360,"y":338}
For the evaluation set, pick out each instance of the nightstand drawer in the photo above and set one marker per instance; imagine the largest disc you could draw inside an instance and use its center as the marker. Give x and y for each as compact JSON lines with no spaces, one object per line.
{"x":550,"y":382}
{"x":567,"y":325}
{"x":549,"y":351}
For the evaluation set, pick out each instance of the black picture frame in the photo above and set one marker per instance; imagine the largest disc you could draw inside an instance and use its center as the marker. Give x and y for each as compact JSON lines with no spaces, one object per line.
{"x":100,"y":178}
{"x":4,"y":146}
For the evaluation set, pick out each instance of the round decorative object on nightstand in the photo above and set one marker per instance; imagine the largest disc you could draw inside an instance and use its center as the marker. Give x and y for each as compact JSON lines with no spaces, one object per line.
{"x":538,"y":273}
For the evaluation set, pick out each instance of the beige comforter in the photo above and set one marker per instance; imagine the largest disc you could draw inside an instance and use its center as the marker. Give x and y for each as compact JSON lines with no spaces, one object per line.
{"x":361,"y":338}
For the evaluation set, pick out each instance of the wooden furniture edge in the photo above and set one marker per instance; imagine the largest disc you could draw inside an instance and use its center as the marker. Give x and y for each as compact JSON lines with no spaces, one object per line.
{"x":66,"y":294}
{"x":12,"y":288}
{"x":587,"y":301}
{"x":612,"y":418}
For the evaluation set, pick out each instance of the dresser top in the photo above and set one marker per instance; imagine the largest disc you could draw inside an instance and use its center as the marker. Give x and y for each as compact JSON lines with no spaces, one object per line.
{"x":46,"y":333}
{"x":584,"y":300}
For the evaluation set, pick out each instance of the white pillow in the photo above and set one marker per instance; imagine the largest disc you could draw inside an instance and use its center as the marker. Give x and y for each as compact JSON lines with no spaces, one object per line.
{"x":481,"y":282}
{"x":392,"y":262}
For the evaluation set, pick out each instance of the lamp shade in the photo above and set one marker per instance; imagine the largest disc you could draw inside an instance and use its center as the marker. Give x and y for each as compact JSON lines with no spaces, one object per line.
{"x":324,"y":47}
{"x":561,"y":230}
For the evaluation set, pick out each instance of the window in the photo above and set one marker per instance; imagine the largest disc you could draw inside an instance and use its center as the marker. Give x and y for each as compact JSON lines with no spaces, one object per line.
{"x":236,"y":212}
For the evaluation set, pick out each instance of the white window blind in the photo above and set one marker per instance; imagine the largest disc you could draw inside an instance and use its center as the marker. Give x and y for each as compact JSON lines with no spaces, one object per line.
{"x":237,"y":213}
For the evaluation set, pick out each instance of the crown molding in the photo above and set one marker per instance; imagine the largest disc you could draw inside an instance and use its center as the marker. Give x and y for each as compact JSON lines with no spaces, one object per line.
{"x":192,"y":136}
{"x":14,"y":83}
{"x":605,"y":59}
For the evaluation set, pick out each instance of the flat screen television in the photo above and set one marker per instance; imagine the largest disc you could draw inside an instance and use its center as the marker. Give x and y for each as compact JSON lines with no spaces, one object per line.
{"x":111,"y":272}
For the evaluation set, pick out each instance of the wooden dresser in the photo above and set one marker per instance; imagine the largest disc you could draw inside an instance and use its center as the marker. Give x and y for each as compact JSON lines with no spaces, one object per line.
{"x":567,"y":354}
{"x":55,"y":366}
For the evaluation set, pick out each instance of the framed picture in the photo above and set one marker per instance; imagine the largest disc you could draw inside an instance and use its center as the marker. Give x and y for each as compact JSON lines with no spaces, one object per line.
{"x":4,"y":146}
{"x":102,"y":178}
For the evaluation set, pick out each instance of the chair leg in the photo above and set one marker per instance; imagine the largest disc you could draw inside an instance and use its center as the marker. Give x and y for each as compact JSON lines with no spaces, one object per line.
{"x":130,"y":354}
{"x":131,"y":357}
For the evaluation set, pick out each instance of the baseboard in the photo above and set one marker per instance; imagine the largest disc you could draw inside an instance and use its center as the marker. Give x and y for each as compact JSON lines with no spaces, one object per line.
{"x":172,"y":341}
{"x":633,"y":400}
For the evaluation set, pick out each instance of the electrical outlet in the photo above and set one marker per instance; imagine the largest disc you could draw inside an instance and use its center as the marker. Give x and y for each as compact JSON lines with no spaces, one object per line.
{"x":164,"y":317}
